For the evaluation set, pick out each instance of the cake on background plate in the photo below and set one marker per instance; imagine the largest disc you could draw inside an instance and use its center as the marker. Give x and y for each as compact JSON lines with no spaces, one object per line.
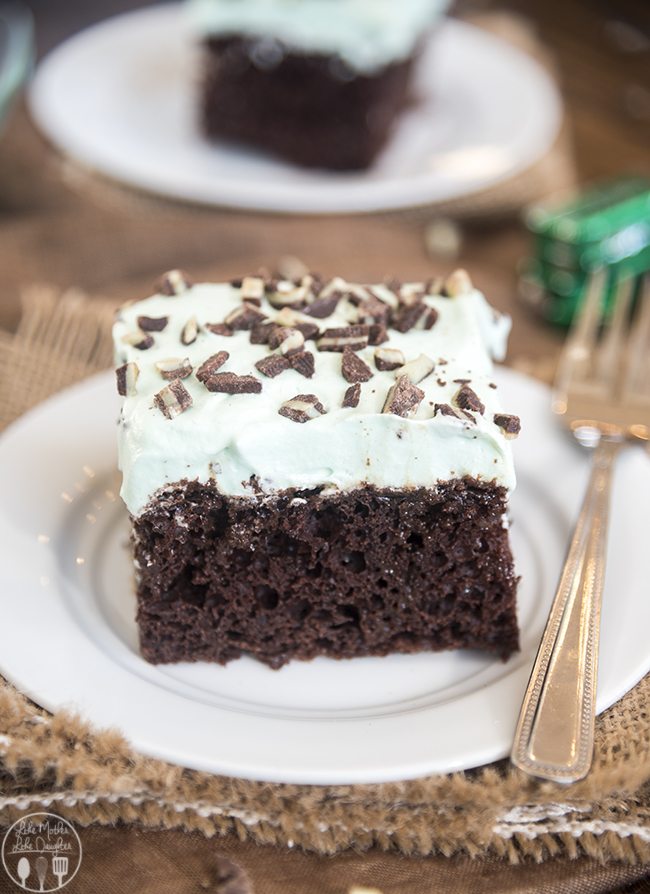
{"x":316,"y":467}
{"x":317,"y":82}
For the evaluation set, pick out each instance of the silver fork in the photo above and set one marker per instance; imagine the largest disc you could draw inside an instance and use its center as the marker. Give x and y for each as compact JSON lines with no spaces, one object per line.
{"x":602,"y":393}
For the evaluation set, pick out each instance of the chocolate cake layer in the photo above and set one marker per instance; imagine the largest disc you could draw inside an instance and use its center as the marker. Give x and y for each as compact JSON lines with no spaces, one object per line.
{"x":368,"y":572}
{"x":312,"y":110}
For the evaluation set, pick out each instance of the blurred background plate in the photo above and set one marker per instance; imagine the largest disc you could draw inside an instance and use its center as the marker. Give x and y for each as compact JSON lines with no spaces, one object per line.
{"x":15,"y":52}
{"x":120,"y":99}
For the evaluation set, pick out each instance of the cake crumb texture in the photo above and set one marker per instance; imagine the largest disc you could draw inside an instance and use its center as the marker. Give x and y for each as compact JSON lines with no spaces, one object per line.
{"x":368,"y":572}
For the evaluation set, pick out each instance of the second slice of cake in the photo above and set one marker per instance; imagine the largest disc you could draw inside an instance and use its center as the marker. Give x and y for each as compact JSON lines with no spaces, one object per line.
{"x":318,"y":82}
{"x":316,"y":468}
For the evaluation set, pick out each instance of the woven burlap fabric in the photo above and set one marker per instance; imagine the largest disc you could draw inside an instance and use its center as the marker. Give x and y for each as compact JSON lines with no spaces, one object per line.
{"x":93,"y":776}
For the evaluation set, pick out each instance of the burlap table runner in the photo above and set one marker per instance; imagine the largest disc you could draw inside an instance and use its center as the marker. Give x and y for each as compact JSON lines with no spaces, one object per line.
{"x":93,"y":776}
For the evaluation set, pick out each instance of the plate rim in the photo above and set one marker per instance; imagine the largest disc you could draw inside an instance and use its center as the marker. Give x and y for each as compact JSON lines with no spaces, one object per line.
{"x":394,"y":194}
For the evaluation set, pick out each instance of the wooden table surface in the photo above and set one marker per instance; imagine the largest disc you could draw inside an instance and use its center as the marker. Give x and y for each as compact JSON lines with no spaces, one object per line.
{"x":114,"y":246}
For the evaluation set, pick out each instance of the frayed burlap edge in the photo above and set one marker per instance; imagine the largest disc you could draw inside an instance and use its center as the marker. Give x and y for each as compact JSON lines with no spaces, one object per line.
{"x":60,"y":762}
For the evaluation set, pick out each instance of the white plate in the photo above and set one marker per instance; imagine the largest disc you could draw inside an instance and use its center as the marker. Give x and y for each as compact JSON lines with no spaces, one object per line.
{"x":68,"y":636}
{"x":120,"y":98}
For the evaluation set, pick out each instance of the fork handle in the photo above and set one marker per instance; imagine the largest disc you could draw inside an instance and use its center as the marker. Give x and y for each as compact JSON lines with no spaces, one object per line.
{"x":554,"y":738}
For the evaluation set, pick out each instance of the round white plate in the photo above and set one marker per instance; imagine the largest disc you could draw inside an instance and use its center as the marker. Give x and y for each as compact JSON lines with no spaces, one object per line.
{"x":121,"y":97}
{"x":68,"y":636}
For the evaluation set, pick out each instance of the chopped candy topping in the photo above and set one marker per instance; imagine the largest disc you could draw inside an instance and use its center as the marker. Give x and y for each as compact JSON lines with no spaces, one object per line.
{"x":211,"y":365}
{"x":389,"y":358}
{"x":510,"y":425}
{"x":173,"y":399}
{"x":127,"y":376}
{"x":174,"y":368}
{"x":418,"y":369}
{"x":260,"y":333}
{"x":414,"y":316}
{"x":411,"y":294}
{"x":371,"y":310}
{"x":287,"y":318}
{"x":457,"y":283}
{"x":152,"y":324}
{"x":378,"y":334}
{"x":229,"y":383}
{"x":273,"y":365}
{"x":353,"y":368}
{"x":445,"y":410}
{"x":323,"y":306}
{"x":403,"y":398}
{"x":467,"y":399}
{"x":352,"y":395}
{"x":386,"y":294}
{"x":219,"y":329}
{"x":174,"y":282}
{"x":309,"y":330}
{"x":252,"y":288}
{"x":244,"y":317}
{"x":190,"y":331}
{"x":140,"y":340}
{"x":353,"y":337}
{"x":288,"y":294}
{"x":292,"y":342}
{"x":336,"y":285}
{"x":302,"y":408}
{"x":303,"y":363}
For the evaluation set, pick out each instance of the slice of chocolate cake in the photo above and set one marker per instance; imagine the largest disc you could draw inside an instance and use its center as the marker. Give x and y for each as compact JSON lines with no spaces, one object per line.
{"x":318,"y":82}
{"x":316,"y":468}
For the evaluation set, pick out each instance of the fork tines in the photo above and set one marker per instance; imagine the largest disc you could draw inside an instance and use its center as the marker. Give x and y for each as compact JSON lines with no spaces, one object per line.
{"x":603,"y":377}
